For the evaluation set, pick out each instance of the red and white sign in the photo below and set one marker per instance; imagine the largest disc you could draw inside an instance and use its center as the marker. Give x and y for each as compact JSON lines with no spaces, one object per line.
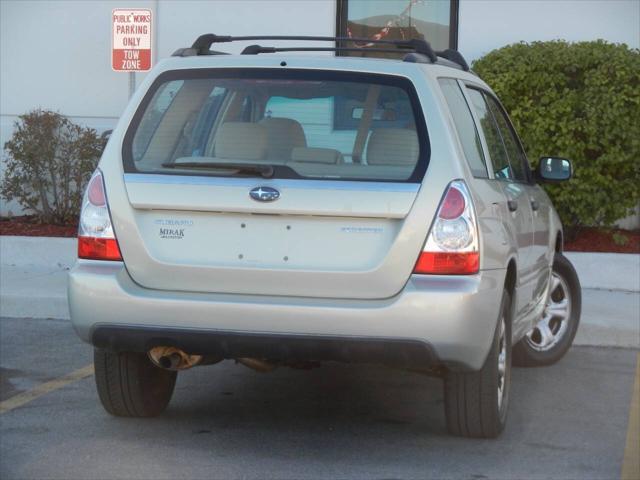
{"x":131,"y":40}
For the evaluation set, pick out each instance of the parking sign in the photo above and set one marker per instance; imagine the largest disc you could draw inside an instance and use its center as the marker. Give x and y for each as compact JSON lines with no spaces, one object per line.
{"x":131,"y":40}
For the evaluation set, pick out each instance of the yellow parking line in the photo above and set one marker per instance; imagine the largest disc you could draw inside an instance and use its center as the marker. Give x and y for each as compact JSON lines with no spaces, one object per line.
{"x":631,"y":462}
{"x":47,"y":387}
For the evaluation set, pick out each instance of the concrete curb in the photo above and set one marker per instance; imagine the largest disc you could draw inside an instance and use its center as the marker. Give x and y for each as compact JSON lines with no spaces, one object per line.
{"x":33,"y":276}
{"x":40,"y":252}
{"x":607,"y":271}
{"x":33,"y":284}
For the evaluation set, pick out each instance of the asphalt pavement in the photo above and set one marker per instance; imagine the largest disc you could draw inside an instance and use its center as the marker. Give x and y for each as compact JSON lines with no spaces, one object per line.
{"x":568,"y":421}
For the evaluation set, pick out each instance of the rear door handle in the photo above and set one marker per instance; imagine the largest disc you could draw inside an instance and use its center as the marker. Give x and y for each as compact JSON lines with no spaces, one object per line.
{"x":513,"y":205}
{"x":534,"y":205}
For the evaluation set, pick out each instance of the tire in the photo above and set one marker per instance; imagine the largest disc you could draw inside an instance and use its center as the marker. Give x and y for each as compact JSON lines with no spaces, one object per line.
{"x":129,"y":385}
{"x":538,"y":349}
{"x":474,"y":405}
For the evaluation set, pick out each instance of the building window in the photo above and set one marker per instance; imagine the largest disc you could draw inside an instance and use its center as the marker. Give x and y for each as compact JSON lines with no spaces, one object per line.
{"x":433,"y":20}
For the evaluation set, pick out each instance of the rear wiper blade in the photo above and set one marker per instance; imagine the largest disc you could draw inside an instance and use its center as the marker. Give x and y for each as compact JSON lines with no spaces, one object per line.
{"x":265,"y":171}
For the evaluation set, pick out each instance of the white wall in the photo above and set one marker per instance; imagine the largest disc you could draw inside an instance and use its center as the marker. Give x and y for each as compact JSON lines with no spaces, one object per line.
{"x":55,"y":54}
{"x":488,"y":24}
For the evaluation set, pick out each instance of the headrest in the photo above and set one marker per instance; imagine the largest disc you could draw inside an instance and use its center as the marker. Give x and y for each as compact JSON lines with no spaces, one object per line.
{"x":316,"y":155}
{"x":393,"y":146}
{"x":283,"y":134}
{"x":241,"y":141}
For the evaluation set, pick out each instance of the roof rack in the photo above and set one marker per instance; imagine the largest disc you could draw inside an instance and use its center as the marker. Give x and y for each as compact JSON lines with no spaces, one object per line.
{"x":417,"y":50}
{"x":454,"y":56}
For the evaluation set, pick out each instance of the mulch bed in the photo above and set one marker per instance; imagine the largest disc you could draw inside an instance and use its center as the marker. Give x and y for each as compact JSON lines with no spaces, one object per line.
{"x":28,"y":227}
{"x":587,"y":239}
{"x":602,"y":240}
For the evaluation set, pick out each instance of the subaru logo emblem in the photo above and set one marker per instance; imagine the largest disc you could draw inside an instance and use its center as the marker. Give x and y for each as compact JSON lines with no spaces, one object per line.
{"x":264,"y":194}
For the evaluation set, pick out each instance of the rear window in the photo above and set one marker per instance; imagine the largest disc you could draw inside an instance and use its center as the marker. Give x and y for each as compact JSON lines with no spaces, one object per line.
{"x":279,"y":124}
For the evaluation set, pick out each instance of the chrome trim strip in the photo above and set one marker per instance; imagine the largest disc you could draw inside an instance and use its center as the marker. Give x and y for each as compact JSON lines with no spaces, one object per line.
{"x":278,"y":183}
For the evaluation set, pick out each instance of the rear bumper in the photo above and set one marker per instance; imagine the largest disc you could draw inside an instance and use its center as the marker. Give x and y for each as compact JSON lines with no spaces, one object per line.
{"x":222,"y":344}
{"x":433,"y":320}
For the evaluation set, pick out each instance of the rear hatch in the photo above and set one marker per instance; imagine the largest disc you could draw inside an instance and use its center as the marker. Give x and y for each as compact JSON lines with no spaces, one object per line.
{"x":273,"y":182}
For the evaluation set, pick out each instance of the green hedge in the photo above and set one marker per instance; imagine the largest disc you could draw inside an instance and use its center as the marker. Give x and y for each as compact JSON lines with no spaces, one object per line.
{"x":580,"y":101}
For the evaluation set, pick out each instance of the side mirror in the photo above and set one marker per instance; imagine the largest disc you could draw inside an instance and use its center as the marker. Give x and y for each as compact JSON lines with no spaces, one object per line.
{"x":554,"y":169}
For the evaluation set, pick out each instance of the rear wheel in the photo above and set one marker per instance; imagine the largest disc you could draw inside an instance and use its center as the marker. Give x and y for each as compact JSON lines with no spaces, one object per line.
{"x":129,"y":385}
{"x":476,"y":402}
{"x":553,"y":335}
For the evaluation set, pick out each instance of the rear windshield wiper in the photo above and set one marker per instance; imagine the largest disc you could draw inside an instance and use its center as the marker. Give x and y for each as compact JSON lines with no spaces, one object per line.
{"x":266,"y":171}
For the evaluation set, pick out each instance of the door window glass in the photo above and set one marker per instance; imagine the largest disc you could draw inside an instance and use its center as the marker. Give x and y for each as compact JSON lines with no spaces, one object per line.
{"x":465,"y":126}
{"x":499,"y":158}
{"x":517,"y":158}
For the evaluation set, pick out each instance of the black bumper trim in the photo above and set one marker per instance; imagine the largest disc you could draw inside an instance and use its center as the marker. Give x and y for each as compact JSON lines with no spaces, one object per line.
{"x":278,"y":347}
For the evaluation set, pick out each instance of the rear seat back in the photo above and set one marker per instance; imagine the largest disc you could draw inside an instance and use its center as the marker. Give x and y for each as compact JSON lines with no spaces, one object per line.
{"x":393,"y":146}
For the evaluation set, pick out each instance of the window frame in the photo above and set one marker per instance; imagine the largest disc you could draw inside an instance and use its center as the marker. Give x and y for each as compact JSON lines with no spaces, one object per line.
{"x":403,"y":82}
{"x":527,"y":168}
{"x":342,"y":18}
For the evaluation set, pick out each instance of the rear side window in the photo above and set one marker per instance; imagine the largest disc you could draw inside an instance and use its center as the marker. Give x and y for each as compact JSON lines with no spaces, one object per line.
{"x":289,"y":123}
{"x":499,"y":158}
{"x":465,"y":126}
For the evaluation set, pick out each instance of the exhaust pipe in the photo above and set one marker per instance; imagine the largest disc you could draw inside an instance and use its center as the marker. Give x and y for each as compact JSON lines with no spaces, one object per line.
{"x":171,"y":358}
{"x":261,"y":366}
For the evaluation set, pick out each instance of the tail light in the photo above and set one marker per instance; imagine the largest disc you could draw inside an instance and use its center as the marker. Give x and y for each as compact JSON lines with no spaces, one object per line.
{"x":452,"y":245}
{"x":96,"y":239}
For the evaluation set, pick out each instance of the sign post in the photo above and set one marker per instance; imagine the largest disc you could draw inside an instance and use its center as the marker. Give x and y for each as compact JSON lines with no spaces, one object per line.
{"x":131,"y":42}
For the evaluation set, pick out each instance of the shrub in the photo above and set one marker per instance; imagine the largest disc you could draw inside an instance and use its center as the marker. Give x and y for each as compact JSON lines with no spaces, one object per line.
{"x":580,"y":101}
{"x":49,"y":160}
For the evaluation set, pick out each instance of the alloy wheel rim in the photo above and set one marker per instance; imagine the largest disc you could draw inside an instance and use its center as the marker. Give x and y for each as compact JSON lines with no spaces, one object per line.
{"x":554,"y":323}
{"x":502,"y":363}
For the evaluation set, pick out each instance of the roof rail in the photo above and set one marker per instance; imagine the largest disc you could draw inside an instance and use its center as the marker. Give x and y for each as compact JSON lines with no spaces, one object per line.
{"x":190,"y":52}
{"x":256,"y":49}
{"x":451,"y":58}
{"x":203,"y":43}
{"x":417,"y":50}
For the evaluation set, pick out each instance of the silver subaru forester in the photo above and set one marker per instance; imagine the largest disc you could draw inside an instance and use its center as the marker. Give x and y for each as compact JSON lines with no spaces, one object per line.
{"x":283,"y":209}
